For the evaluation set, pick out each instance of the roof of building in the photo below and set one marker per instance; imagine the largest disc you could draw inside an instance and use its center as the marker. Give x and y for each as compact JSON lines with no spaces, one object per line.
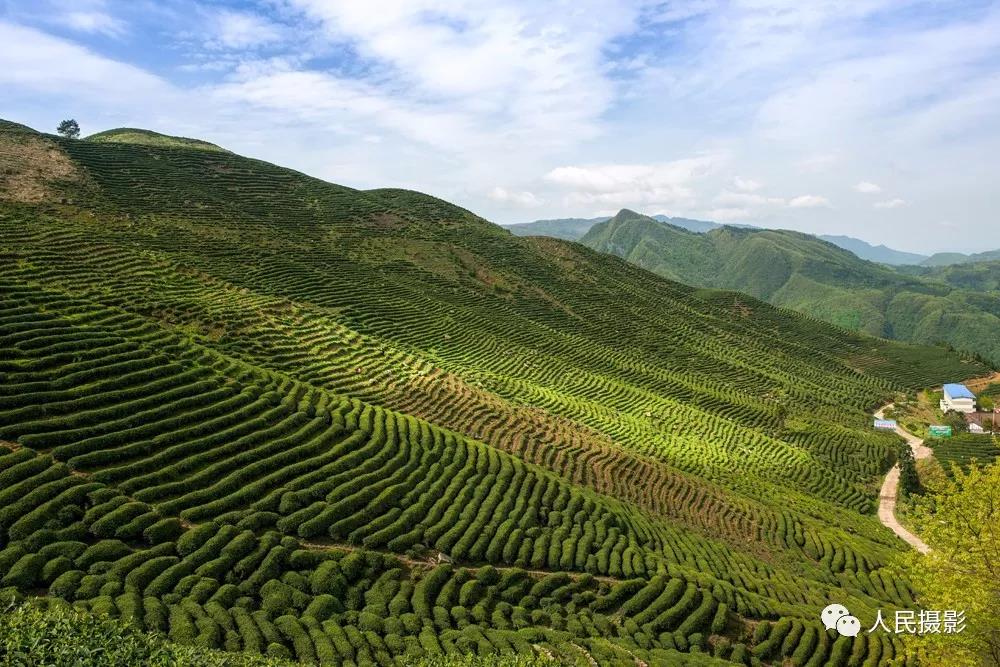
{"x":958,"y":391}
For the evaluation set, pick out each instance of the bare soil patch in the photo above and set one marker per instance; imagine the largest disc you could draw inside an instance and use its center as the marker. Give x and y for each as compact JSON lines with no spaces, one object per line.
{"x":34,"y":170}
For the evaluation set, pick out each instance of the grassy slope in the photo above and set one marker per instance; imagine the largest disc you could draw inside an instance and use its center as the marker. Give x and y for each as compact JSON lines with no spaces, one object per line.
{"x":129,"y":135}
{"x":222,"y":339}
{"x":799,"y":271}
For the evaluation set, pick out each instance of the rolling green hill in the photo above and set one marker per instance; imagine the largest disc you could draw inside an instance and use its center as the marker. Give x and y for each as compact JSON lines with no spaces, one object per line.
{"x":959,"y":306}
{"x":982,"y":277}
{"x":129,"y":135}
{"x":255,"y":411}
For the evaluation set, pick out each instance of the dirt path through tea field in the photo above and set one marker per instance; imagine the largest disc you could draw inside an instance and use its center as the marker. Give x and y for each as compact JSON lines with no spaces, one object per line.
{"x":890,"y":488}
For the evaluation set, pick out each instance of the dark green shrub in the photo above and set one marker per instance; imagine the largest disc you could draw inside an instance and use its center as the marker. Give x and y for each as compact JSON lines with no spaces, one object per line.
{"x":155,"y":614}
{"x":104,"y":551}
{"x":279,"y":598}
{"x":323,"y":607}
{"x":117,"y":519}
{"x":191,"y":540}
{"x":368,"y":621}
{"x":55,"y":567}
{"x":66,"y":584}
{"x":111,"y":588}
{"x":98,"y":511}
{"x":226,"y":595}
{"x":182,"y":627}
{"x":720,"y":619}
{"x":71,"y":550}
{"x":202,"y":591}
{"x":169,"y":579}
{"x":761,"y":632}
{"x":293,"y":631}
{"x":164,"y":530}
{"x":25,"y":573}
{"x":328,"y":578}
{"x":258,"y":521}
{"x":11,"y":554}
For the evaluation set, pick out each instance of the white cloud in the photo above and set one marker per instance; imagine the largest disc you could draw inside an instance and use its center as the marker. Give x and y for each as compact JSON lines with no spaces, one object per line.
{"x":349,"y":107}
{"x":34,"y":61}
{"x":613,"y":177}
{"x":866,"y":187}
{"x":91,"y":17}
{"x":817,"y":162}
{"x":240,"y":30}
{"x":666,"y":183}
{"x":891,"y":203}
{"x":92,"y":22}
{"x":897,"y":87}
{"x":809,"y":201}
{"x":521,"y":73}
{"x":524,"y":199}
{"x":729,"y":198}
{"x":728,"y":214}
{"x":746,"y":184}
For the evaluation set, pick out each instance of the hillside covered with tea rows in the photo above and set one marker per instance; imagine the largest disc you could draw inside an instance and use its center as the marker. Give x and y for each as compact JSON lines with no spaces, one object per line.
{"x":255,"y":411}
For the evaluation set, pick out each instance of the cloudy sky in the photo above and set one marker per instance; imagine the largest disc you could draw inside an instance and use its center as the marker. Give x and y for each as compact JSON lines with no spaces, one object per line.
{"x":874,"y":118}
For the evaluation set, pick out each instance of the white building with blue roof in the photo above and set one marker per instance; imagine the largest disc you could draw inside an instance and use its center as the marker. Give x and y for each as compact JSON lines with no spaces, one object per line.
{"x":957,"y":397}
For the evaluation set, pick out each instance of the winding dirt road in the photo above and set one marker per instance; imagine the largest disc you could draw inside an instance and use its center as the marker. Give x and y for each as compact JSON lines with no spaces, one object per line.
{"x":890,"y":488}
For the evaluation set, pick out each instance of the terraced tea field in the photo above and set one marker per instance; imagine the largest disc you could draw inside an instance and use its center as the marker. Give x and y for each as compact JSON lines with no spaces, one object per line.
{"x":256,"y":411}
{"x":965,"y":448}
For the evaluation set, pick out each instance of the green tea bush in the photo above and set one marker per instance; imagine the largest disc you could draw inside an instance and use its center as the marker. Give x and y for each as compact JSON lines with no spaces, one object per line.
{"x":63,"y":636}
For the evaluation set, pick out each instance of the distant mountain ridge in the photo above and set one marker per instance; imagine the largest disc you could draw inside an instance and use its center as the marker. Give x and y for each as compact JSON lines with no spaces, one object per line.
{"x":951,"y":258}
{"x":806,"y":273}
{"x":874,"y":253}
{"x":574,"y":229}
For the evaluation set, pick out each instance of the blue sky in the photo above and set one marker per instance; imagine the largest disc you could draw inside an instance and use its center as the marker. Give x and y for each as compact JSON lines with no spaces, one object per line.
{"x":874,"y":118}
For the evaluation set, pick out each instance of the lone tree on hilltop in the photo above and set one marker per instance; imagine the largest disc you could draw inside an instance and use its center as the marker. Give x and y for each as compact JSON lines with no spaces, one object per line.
{"x":69,"y":129}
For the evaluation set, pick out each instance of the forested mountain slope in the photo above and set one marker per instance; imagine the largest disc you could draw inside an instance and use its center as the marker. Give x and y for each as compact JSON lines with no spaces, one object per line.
{"x":982,"y":277}
{"x":799,"y":271}
{"x":257,"y":411}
